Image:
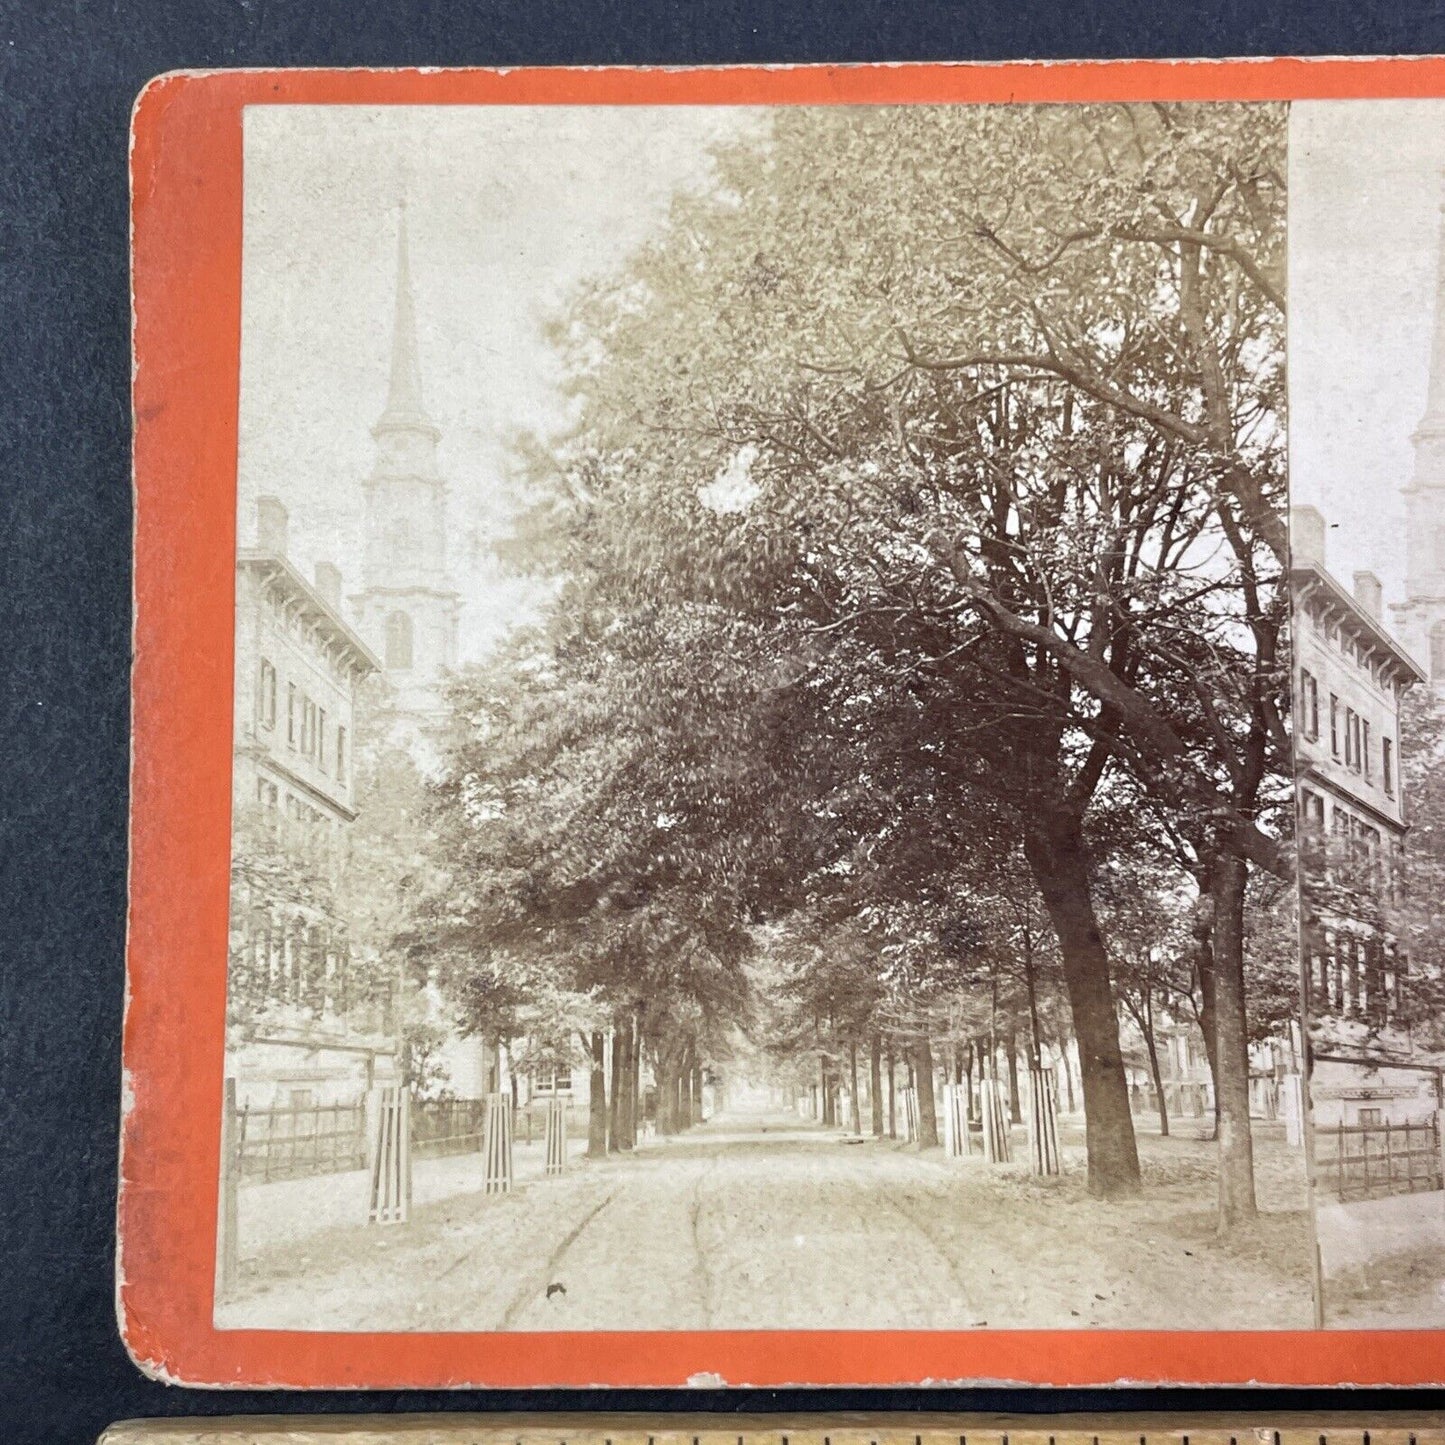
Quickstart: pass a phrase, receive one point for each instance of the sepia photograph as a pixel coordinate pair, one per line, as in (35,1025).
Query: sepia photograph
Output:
(764,792)
(1367,460)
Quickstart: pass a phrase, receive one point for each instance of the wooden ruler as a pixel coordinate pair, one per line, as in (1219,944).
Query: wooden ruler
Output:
(874,1428)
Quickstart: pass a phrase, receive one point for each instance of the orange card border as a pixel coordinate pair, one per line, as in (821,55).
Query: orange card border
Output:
(186,178)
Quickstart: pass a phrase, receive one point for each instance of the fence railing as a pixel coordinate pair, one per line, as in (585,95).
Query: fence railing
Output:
(291,1141)
(530,1120)
(295,1141)
(447,1126)
(1372,1161)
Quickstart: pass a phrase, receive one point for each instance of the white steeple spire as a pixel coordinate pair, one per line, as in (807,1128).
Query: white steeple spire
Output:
(1420,618)
(404,408)
(1432,424)
(408,606)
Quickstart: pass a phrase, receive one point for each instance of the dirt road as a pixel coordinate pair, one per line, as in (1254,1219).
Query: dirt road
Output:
(758,1223)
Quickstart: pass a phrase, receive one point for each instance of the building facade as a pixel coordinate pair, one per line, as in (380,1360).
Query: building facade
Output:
(1350,677)
(303,1028)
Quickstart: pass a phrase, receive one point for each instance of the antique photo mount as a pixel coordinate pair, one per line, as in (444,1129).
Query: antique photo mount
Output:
(187,176)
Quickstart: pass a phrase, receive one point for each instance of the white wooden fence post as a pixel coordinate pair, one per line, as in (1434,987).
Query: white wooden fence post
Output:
(389,1199)
(556,1135)
(1043,1123)
(498,1178)
(997,1145)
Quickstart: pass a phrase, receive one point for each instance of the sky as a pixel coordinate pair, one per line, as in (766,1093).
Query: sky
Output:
(1366,181)
(508,208)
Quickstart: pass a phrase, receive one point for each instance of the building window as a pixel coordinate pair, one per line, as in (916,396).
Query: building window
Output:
(1387,765)
(340,754)
(321,739)
(1365,757)
(1352,739)
(292,715)
(1334,726)
(552,1081)
(1309,704)
(1368,1116)
(398,641)
(266,694)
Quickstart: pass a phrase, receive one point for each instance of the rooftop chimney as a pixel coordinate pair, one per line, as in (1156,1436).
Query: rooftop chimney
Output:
(271,520)
(1306,536)
(328,583)
(1370,594)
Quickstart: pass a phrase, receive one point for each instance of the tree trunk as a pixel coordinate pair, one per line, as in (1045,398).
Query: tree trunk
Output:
(968,1083)
(597,1105)
(1055,853)
(875,1084)
(1204,955)
(666,1097)
(1036,1060)
(1231,1035)
(892,1095)
(696,1091)
(1015,1103)
(1147,1029)
(856,1119)
(825,1093)
(628,1123)
(614,1133)
(1067,1065)
(927,1108)
(634,1080)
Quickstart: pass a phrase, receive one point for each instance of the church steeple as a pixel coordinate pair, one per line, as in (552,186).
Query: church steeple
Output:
(1433,422)
(1420,618)
(404,408)
(408,607)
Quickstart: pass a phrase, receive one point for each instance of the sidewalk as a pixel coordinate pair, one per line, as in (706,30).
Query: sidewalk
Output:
(284,1211)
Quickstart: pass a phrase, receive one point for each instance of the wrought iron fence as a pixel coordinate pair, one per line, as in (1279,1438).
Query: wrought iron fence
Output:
(291,1141)
(295,1141)
(530,1120)
(1372,1161)
(447,1126)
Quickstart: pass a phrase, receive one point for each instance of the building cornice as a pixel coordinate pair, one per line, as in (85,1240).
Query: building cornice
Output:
(274,570)
(1310,581)
(1309,773)
(266,758)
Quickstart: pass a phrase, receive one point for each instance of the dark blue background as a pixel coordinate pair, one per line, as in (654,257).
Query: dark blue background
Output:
(68,75)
